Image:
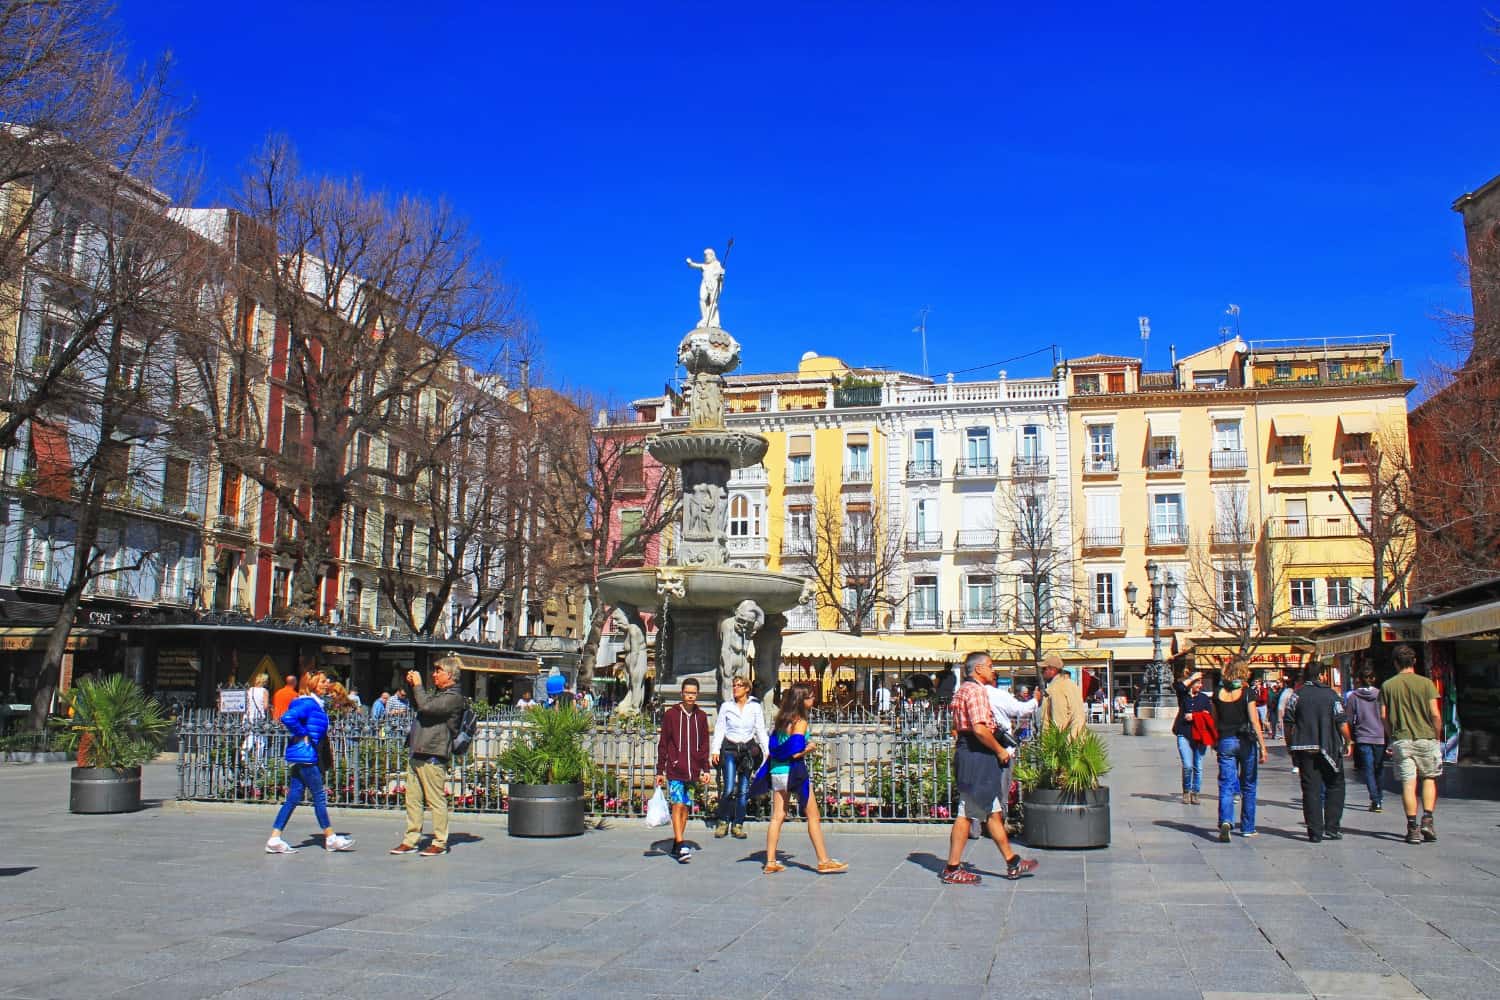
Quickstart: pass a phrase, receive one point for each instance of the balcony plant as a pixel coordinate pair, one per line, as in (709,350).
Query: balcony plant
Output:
(547,768)
(112,727)
(1063,799)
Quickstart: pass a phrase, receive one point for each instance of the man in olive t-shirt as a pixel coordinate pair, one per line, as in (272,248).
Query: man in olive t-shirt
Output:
(1413,725)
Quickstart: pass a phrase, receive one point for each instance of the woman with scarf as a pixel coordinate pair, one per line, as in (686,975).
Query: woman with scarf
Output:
(1241,747)
(785,773)
(1191,703)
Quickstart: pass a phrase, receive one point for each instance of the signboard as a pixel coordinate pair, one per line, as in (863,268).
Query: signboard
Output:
(177,670)
(232,700)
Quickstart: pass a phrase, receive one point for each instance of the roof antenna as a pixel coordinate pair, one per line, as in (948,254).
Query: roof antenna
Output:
(1145,322)
(921,328)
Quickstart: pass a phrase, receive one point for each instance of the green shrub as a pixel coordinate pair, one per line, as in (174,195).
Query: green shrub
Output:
(551,750)
(113,723)
(1061,761)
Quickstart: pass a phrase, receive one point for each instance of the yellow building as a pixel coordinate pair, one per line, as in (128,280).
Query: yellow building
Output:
(1228,474)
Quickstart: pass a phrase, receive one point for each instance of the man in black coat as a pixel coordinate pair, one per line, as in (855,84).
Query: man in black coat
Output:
(1318,737)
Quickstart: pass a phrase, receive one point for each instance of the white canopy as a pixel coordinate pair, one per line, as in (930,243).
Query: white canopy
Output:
(838,646)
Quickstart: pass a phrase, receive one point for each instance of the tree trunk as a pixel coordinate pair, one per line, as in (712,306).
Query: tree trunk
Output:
(49,675)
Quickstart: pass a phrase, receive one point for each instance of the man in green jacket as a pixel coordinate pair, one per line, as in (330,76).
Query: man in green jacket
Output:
(1414,728)
(437,716)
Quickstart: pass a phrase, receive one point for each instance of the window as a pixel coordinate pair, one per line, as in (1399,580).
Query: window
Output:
(174,493)
(632,467)
(407,551)
(1166,519)
(924,601)
(1103,518)
(1086,385)
(926,520)
(281,590)
(924,447)
(630,526)
(1234,592)
(1210,380)
(1296,517)
(1175,613)
(434,547)
(229,494)
(1106,614)
(357,518)
(977,446)
(1357,448)
(1162,453)
(1034,599)
(1232,515)
(859,527)
(1116,381)
(1340,594)
(1031,442)
(1304,600)
(1101,447)
(1283,369)
(291,433)
(388,541)
(857,456)
(1227,435)
(799,523)
(979,598)
(354,599)
(739,517)
(1362,509)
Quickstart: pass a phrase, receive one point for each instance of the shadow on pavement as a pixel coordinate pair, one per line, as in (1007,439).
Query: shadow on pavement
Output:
(9,872)
(935,864)
(661,848)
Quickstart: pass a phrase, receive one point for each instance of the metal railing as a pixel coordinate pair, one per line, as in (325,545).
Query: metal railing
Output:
(924,468)
(1293,454)
(1225,459)
(860,474)
(867,766)
(1099,464)
(1167,534)
(976,468)
(1164,460)
(1031,465)
(978,539)
(1103,538)
(1313,526)
(799,475)
(924,541)
(923,619)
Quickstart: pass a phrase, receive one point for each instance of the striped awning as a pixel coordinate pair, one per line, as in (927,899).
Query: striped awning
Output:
(1466,621)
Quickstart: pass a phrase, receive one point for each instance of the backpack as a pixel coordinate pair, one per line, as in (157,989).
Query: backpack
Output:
(468,728)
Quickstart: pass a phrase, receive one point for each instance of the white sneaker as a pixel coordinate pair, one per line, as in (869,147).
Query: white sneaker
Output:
(278,846)
(338,843)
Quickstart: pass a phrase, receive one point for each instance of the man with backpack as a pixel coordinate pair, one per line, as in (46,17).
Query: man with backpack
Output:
(435,737)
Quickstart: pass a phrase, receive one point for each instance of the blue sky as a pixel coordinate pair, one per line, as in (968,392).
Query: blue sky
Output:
(1036,174)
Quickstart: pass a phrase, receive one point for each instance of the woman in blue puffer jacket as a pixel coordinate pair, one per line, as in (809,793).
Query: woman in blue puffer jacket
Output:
(307,722)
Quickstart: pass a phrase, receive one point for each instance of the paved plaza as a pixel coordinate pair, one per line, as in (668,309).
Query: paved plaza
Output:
(180,902)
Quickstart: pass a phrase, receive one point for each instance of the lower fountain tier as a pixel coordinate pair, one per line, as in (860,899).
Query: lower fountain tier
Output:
(677,448)
(705,587)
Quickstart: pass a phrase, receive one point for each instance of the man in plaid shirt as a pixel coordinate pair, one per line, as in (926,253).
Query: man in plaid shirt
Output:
(978,764)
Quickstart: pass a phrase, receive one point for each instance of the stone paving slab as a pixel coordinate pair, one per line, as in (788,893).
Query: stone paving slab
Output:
(178,901)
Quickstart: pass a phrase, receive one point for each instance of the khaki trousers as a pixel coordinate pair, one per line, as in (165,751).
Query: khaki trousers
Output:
(425,789)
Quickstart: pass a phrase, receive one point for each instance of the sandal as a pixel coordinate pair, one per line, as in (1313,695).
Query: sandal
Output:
(831,866)
(772,867)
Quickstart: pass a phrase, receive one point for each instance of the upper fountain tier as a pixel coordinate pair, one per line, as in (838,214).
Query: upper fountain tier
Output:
(675,448)
(707,352)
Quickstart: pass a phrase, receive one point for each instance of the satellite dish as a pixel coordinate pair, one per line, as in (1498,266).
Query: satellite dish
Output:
(809,355)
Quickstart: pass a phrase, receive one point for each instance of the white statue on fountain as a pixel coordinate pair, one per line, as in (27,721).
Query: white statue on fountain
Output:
(709,288)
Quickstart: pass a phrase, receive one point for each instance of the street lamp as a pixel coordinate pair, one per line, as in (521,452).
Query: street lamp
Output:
(1163,595)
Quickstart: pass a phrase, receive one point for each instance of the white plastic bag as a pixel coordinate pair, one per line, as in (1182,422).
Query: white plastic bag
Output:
(658,813)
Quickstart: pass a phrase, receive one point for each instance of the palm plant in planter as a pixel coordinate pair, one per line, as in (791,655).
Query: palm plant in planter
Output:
(112,729)
(547,767)
(1063,800)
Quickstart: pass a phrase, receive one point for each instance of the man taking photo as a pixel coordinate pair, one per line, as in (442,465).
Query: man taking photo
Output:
(439,711)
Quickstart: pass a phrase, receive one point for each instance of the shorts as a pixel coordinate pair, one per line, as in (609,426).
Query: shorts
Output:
(964,810)
(779,780)
(1418,758)
(682,793)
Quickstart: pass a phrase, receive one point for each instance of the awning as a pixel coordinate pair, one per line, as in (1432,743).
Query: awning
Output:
(1457,624)
(1349,642)
(1292,425)
(54,465)
(799,445)
(500,665)
(1358,423)
(1163,424)
(859,648)
(1215,652)
(28,638)
(857,438)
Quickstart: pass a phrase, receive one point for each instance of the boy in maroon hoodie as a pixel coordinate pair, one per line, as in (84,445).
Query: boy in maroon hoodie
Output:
(682,760)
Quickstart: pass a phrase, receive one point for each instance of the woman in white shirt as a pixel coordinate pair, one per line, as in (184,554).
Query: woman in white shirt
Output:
(257,701)
(738,745)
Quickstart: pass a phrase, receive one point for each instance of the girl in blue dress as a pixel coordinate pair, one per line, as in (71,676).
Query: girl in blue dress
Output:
(785,773)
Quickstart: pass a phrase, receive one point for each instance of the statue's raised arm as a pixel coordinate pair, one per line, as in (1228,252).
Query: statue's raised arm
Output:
(709,288)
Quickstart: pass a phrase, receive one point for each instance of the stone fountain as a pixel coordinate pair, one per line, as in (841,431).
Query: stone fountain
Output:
(713,620)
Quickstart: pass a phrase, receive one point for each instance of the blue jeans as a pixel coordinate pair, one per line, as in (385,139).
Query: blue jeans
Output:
(1192,764)
(1239,764)
(734,790)
(1372,761)
(304,776)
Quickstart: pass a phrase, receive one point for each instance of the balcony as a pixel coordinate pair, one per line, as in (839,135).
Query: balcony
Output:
(1031,466)
(1228,460)
(1338,612)
(1100,465)
(1306,613)
(923,468)
(1240,537)
(924,541)
(750,475)
(747,546)
(1292,456)
(799,475)
(924,620)
(978,540)
(1104,538)
(802,618)
(975,620)
(1104,621)
(232,524)
(857,475)
(797,548)
(1031,541)
(1357,458)
(1318,526)
(864,395)
(1166,535)
(41,578)
(976,468)
(1163,461)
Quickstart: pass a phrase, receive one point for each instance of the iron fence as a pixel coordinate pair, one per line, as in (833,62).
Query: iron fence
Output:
(866,766)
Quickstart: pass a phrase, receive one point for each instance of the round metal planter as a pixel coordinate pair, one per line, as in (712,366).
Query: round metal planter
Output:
(1065,819)
(546,810)
(105,790)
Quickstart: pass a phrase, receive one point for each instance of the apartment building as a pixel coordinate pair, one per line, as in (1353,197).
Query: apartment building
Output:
(1228,474)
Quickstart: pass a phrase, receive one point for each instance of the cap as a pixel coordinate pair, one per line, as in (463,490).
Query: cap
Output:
(1051,660)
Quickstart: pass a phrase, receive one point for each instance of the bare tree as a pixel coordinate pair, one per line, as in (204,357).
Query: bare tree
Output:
(854,555)
(1237,577)
(597,507)
(1379,508)
(377,300)
(78,130)
(1036,552)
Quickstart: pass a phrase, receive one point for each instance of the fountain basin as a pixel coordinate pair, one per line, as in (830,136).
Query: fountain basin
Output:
(704,587)
(677,448)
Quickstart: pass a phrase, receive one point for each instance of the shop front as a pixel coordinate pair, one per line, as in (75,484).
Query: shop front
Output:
(1462,632)
(1352,645)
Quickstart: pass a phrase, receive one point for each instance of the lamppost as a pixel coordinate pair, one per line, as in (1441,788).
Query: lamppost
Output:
(1157,694)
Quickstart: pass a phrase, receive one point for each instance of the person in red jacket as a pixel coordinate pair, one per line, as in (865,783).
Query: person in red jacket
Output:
(682,760)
